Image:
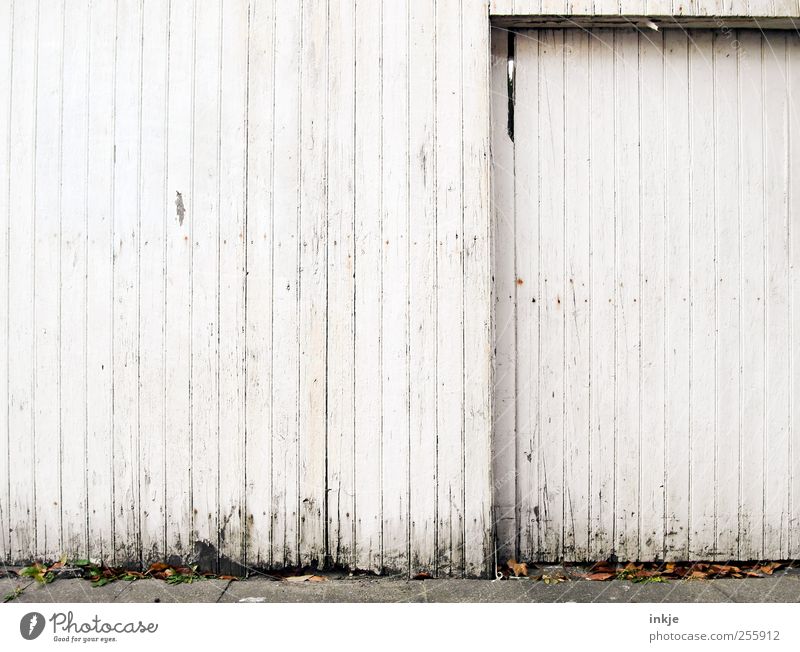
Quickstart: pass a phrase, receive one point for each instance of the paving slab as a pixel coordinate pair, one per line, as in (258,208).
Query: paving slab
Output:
(66,591)
(150,590)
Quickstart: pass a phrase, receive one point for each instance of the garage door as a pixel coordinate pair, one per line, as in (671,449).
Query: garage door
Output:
(647,305)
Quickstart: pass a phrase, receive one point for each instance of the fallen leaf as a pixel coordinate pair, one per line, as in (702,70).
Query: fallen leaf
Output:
(228,577)
(769,568)
(157,568)
(422,576)
(599,577)
(299,578)
(518,568)
(317,578)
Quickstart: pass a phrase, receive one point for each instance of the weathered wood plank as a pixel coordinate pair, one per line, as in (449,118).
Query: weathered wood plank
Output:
(312,275)
(233,148)
(341,498)
(367,263)
(73,290)
(178,243)
(422,137)
(395,222)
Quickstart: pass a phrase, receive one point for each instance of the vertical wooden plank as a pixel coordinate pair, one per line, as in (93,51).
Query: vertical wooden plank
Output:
(793,90)
(702,254)
(394,279)
(422,289)
(74,264)
(450,297)
(726,167)
(559,7)
(341,287)
(628,314)
(677,184)
(504,427)
(368,374)
(776,223)
(125,252)
(501,7)
(553,293)
(6,38)
(46,281)
(205,237)
(527,296)
(232,279)
(285,352)
(156,203)
(178,300)
(601,133)
(752,343)
(312,278)
(652,283)
(479,547)
(99,280)
(577,347)
(22,188)
(259,330)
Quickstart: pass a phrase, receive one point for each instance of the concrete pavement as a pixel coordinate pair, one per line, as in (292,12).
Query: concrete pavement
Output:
(782,587)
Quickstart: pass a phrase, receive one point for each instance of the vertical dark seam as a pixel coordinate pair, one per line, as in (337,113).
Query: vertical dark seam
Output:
(536,433)
(741,244)
(564,285)
(641,298)
(589,70)
(665,287)
(616,181)
(690,120)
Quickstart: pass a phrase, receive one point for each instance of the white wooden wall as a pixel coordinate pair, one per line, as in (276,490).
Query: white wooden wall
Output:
(245,247)
(759,8)
(648,283)
(245,281)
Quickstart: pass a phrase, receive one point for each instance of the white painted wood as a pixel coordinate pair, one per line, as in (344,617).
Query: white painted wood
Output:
(341,497)
(46,280)
(778,345)
(367,263)
(677,293)
(759,8)
(793,84)
(157,209)
(285,310)
(232,238)
(728,284)
(21,256)
(422,137)
(753,267)
(180,215)
(449,289)
(703,317)
(627,315)
(477,371)
(259,470)
(6,31)
(126,277)
(577,293)
(73,291)
(601,152)
(99,280)
(394,221)
(687,235)
(312,271)
(653,201)
(504,438)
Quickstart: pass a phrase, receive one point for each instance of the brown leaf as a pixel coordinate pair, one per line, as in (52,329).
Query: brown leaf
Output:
(769,568)
(299,578)
(228,577)
(317,578)
(698,575)
(599,577)
(422,576)
(157,568)
(518,568)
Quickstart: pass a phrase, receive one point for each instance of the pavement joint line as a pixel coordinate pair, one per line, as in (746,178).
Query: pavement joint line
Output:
(224,591)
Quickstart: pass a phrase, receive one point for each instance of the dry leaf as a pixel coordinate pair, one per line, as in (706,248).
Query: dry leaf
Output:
(769,568)
(518,568)
(317,578)
(299,578)
(599,577)
(422,576)
(157,568)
